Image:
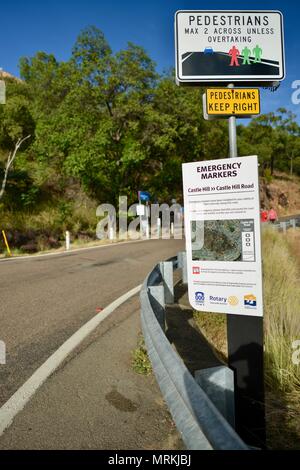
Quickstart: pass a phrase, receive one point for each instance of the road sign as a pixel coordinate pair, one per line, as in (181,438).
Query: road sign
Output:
(232,101)
(229,47)
(144,196)
(222,226)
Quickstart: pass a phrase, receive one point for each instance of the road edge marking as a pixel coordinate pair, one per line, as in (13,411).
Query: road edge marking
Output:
(21,397)
(69,252)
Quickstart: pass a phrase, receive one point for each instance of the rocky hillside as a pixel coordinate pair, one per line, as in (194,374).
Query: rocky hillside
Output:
(282,192)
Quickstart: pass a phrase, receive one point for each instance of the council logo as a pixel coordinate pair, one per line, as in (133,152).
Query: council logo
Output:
(250,301)
(196,270)
(233,300)
(199,297)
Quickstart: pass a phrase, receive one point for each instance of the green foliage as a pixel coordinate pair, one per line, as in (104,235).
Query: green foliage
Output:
(109,124)
(30,197)
(268,175)
(140,360)
(16,120)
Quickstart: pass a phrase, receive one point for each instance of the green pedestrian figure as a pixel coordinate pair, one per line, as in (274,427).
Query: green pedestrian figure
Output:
(257,51)
(246,55)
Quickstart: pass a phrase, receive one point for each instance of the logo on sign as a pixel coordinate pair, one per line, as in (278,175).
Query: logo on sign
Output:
(233,300)
(199,297)
(218,300)
(196,270)
(250,301)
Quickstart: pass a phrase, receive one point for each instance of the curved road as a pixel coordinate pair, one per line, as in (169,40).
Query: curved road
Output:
(44,300)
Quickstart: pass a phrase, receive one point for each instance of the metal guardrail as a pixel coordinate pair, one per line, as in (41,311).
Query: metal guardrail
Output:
(287,222)
(200,423)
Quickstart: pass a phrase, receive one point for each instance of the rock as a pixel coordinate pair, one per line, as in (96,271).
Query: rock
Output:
(283,200)
(53,242)
(29,247)
(271,193)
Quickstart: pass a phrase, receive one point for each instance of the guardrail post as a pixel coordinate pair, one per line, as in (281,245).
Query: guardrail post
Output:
(218,384)
(68,240)
(184,269)
(179,260)
(293,223)
(182,264)
(166,269)
(283,226)
(157,299)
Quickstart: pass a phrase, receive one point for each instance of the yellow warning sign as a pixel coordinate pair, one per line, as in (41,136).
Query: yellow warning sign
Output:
(232,101)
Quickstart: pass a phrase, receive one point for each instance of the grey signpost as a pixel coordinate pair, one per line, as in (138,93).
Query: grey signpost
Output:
(232,133)
(246,357)
(198,63)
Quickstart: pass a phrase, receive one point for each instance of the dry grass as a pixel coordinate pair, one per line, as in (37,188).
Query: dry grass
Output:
(282,310)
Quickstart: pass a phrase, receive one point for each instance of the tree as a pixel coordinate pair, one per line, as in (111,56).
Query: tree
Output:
(16,125)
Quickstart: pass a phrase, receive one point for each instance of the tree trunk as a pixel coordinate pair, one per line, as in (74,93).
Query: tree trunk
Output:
(10,160)
(272,164)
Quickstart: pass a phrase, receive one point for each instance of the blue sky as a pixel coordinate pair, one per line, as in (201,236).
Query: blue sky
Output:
(52,26)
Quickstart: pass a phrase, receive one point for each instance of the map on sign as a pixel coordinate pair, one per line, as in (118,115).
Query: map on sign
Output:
(235,101)
(229,46)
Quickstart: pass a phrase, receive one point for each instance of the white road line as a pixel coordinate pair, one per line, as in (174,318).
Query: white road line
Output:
(65,252)
(21,397)
(252,60)
(187,57)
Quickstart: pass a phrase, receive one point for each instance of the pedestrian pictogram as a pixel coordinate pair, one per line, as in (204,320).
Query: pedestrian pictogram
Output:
(234,53)
(257,51)
(246,55)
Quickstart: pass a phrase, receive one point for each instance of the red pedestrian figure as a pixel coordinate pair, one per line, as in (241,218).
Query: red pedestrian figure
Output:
(264,215)
(234,53)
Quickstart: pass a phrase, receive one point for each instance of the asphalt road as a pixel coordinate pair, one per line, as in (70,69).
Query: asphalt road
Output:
(198,63)
(45,300)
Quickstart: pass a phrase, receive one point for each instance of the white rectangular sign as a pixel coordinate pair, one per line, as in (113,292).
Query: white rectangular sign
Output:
(229,46)
(222,229)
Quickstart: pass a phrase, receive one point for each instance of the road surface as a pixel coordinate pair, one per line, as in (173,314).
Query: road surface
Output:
(198,63)
(45,300)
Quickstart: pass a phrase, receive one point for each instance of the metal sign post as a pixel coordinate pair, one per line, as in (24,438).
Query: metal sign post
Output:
(245,357)
(232,137)
(230,48)
(232,133)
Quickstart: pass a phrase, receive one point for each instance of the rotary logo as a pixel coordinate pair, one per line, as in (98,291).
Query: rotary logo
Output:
(233,300)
